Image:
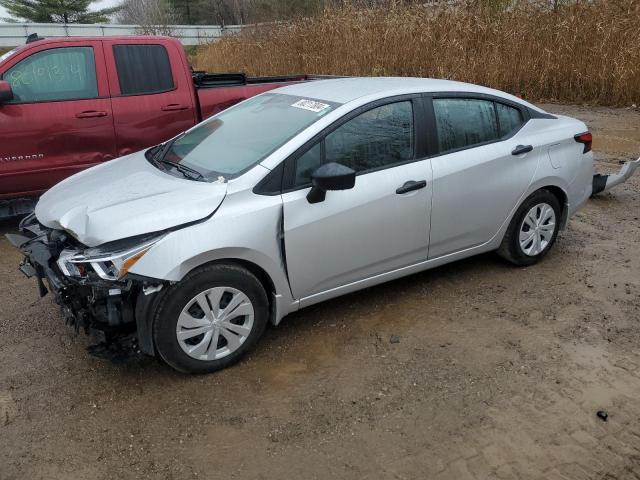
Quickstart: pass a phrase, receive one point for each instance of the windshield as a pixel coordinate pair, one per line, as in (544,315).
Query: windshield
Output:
(242,136)
(8,54)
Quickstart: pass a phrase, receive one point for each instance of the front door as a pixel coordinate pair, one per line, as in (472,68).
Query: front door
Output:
(60,119)
(379,225)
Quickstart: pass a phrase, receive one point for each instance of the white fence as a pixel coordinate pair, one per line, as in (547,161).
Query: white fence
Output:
(13,34)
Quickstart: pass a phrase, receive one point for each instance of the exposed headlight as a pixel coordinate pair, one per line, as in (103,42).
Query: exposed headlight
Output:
(111,261)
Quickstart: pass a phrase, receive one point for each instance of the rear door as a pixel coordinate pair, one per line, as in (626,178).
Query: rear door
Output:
(373,228)
(60,120)
(152,92)
(477,181)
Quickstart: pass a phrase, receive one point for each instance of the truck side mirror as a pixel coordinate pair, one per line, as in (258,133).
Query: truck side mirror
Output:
(6,94)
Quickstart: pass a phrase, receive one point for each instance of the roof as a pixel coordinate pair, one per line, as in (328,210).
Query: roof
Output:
(345,90)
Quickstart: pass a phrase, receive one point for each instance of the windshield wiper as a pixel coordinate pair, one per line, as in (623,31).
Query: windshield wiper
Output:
(187,172)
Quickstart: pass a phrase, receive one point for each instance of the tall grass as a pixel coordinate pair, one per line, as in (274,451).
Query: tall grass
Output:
(586,52)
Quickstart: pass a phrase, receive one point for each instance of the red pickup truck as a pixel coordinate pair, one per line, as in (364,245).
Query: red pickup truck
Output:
(69,103)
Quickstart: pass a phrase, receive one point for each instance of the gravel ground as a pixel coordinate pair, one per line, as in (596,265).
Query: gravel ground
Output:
(493,372)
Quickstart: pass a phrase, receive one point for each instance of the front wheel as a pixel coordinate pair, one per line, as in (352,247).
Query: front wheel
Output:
(533,229)
(210,319)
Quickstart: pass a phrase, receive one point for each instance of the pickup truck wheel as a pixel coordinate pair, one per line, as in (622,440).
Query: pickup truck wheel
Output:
(210,319)
(533,229)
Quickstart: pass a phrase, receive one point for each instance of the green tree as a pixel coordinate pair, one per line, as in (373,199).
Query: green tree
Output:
(56,11)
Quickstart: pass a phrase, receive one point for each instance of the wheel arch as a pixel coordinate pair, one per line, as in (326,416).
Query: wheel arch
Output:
(146,305)
(272,278)
(260,273)
(563,200)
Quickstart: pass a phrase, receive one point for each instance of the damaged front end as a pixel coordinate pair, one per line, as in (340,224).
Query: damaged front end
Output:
(93,286)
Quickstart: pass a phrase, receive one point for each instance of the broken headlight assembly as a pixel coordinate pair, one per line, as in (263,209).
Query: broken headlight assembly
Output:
(110,261)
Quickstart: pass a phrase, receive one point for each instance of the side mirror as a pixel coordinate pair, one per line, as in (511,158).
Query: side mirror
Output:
(330,176)
(6,94)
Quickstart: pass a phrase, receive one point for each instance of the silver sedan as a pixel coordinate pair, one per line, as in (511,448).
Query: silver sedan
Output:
(187,250)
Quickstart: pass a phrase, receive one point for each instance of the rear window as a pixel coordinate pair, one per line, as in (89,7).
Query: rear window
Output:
(143,69)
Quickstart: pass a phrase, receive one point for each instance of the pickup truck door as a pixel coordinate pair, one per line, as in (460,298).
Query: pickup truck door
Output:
(60,120)
(152,92)
(380,225)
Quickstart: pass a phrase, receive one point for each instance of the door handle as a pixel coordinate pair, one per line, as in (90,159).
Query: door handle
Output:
(174,107)
(91,114)
(520,149)
(410,186)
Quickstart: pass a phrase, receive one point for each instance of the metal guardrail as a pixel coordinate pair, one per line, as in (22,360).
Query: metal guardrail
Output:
(13,34)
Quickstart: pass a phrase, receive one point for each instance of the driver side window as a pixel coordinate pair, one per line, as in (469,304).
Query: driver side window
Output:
(378,138)
(67,73)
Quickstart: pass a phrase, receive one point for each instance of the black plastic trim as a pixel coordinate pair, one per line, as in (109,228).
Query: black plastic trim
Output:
(272,183)
(541,116)
(599,183)
(145,309)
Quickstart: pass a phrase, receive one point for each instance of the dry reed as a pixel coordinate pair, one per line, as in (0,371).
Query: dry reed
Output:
(587,52)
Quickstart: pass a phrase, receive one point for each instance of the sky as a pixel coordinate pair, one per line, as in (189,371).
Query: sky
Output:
(95,5)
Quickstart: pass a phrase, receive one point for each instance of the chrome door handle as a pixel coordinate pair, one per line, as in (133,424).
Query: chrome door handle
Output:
(410,186)
(520,149)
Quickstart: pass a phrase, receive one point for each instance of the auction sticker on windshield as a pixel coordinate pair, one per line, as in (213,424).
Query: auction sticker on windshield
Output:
(311,105)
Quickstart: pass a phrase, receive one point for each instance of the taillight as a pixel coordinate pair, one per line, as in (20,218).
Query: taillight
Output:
(586,139)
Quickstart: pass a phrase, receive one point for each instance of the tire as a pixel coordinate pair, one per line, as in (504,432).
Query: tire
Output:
(515,247)
(191,316)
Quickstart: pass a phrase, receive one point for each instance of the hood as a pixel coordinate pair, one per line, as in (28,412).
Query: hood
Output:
(123,198)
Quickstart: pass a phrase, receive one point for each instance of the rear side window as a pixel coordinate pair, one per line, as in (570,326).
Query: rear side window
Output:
(67,73)
(464,122)
(143,69)
(509,119)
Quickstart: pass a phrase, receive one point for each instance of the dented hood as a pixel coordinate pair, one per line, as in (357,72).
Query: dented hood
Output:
(124,198)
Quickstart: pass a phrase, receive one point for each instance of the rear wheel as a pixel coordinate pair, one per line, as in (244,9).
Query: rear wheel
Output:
(533,229)
(211,319)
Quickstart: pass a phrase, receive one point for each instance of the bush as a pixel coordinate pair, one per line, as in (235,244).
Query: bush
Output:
(585,52)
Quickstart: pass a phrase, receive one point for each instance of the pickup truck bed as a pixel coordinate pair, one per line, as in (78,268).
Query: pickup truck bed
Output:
(70,103)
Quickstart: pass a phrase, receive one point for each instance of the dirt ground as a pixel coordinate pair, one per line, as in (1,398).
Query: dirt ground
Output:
(494,372)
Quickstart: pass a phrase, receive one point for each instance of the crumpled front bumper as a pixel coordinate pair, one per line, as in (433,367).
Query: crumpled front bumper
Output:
(103,309)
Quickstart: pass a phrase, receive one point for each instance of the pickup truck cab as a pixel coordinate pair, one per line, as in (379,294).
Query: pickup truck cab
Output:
(67,104)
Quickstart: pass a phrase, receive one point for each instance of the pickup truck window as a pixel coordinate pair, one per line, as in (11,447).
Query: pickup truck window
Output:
(242,136)
(67,73)
(143,69)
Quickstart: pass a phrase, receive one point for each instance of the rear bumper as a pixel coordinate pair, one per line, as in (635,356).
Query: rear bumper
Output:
(106,310)
(602,183)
